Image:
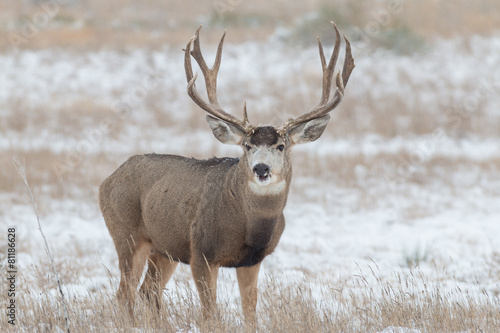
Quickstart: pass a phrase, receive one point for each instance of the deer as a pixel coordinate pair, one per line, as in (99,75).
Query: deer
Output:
(220,212)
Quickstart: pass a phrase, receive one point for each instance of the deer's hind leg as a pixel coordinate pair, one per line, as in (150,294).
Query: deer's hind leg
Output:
(160,270)
(205,278)
(132,255)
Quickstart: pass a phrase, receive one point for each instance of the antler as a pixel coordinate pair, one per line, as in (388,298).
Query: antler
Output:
(324,105)
(210,75)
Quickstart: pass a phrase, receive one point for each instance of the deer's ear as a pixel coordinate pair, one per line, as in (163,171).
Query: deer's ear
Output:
(225,132)
(310,131)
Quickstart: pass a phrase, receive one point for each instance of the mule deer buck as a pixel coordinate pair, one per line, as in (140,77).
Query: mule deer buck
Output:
(220,212)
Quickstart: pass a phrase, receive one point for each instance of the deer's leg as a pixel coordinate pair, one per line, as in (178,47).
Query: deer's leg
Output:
(131,259)
(160,270)
(205,278)
(247,281)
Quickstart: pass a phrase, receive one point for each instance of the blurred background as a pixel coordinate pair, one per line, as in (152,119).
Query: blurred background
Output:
(405,175)
(113,24)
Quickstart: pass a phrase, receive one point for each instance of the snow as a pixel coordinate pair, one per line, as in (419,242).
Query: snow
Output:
(330,234)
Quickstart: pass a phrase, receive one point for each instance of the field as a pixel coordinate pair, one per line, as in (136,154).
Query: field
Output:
(393,215)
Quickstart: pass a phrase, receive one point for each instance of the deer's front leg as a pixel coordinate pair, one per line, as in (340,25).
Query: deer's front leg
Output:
(205,277)
(247,281)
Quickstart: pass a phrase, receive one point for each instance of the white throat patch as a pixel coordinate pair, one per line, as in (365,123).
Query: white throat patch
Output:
(267,189)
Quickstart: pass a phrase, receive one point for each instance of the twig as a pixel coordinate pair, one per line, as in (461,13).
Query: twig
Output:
(21,169)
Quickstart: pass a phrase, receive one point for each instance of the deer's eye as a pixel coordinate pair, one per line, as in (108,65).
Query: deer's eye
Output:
(280,147)
(248,147)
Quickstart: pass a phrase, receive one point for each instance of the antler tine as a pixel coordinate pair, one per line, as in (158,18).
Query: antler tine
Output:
(341,80)
(348,62)
(245,115)
(210,75)
(328,70)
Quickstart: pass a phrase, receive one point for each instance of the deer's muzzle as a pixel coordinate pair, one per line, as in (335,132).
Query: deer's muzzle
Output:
(262,171)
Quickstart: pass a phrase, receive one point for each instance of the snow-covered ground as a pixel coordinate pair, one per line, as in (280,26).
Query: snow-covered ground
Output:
(448,224)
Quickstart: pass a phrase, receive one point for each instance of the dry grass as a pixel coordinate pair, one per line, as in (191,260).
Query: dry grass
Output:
(448,19)
(80,182)
(82,174)
(93,24)
(303,306)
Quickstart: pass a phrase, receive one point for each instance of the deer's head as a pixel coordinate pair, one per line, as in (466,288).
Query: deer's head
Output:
(267,148)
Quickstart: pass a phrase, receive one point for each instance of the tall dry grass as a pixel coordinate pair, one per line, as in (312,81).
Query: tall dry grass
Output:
(363,304)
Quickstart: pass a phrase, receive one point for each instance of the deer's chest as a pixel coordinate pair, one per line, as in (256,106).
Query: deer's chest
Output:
(249,256)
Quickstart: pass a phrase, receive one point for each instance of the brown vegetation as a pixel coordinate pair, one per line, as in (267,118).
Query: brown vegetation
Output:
(114,24)
(306,305)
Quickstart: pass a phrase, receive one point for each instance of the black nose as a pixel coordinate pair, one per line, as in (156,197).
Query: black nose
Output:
(261,169)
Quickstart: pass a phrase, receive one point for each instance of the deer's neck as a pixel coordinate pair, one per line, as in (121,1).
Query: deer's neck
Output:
(261,207)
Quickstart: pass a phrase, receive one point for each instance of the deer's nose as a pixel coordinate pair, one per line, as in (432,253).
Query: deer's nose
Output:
(261,170)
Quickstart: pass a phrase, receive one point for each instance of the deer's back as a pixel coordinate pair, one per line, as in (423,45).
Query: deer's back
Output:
(159,196)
